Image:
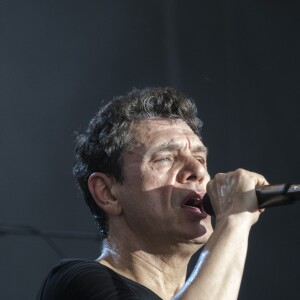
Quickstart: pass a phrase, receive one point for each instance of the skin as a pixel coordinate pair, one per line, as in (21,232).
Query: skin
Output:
(152,235)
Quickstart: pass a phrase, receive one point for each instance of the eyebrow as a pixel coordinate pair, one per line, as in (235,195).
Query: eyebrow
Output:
(171,146)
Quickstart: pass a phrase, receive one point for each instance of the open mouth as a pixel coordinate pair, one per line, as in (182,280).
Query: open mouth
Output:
(193,202)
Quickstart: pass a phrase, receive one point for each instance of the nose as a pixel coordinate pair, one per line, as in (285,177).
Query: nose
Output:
(192,170)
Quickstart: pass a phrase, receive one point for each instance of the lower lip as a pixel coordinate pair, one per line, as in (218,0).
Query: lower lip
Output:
(195,211)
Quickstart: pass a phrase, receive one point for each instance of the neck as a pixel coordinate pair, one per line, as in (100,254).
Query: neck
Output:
(162,271)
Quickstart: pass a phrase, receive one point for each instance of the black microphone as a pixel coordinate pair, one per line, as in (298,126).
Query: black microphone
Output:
(267,196)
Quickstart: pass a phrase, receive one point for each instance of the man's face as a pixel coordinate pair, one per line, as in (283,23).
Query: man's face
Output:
(165,177)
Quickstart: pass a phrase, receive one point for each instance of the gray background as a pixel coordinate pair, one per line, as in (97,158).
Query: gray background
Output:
(59,59)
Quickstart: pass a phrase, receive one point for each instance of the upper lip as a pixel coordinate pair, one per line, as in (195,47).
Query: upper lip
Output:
(195,195)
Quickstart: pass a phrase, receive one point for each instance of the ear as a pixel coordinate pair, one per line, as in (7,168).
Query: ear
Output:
(100,186)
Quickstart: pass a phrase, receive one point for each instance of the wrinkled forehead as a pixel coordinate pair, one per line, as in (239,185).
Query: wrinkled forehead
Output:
(159,130)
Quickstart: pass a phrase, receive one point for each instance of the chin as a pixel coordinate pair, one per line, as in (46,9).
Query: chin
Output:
(199,235)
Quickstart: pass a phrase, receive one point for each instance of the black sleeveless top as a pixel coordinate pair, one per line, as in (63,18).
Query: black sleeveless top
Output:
(89,280)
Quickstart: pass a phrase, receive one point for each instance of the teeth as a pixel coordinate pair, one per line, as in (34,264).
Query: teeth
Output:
(192,202)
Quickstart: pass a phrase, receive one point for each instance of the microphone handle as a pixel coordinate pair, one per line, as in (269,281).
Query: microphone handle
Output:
(267,196)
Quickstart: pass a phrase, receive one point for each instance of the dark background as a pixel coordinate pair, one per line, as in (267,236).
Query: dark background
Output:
(59,59)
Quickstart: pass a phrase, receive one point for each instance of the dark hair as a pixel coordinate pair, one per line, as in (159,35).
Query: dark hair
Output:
(100,148)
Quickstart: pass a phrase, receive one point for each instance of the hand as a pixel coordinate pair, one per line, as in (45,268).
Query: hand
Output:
(233,194)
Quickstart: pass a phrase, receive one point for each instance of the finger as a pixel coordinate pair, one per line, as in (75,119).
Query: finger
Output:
(259,179)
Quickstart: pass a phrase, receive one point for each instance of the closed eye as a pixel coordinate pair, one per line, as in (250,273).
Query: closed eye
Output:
(164,160)
(201,159)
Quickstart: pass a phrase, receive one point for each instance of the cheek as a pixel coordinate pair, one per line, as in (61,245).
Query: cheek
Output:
(155,178)
(158,189)
(150,182)
(147,179)
(207,179)
(145,188)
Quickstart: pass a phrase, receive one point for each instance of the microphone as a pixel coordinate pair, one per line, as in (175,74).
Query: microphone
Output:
(267,196)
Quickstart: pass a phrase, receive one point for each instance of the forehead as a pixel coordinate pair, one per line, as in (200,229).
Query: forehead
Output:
(151,132)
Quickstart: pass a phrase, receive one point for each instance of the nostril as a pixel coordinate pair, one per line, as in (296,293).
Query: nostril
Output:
(192,178)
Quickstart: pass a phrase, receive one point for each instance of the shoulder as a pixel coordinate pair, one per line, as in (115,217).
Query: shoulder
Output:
(73,268)
(76,279)
(84,279)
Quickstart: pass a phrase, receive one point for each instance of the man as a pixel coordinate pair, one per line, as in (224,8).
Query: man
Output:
(142,167)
